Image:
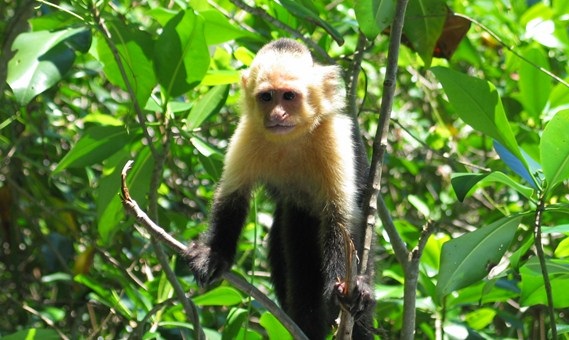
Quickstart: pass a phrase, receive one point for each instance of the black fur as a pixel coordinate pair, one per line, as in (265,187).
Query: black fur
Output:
(213,256)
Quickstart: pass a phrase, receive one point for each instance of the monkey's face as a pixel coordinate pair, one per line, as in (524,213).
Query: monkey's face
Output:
(279,102)
(281,110)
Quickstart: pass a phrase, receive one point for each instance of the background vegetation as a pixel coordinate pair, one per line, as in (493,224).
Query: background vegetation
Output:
(477,153)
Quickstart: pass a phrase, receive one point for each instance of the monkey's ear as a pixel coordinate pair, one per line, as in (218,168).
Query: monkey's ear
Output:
(332,80)
(244,78)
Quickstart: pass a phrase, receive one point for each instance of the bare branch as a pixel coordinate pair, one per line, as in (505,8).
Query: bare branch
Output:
(158,232)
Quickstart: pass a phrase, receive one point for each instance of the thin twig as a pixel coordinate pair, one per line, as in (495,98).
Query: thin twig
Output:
(142,218)
(541,256)
(102,27)
(261,13)
(511,49)
(48,321)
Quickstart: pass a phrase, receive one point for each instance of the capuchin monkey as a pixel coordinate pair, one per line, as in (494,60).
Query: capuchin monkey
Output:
(294,139)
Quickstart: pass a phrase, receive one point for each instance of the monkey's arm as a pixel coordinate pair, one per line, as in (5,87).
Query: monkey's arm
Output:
(214,255)
(360,301)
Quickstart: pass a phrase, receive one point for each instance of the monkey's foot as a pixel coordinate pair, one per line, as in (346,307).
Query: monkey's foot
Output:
(206,264)
(359,300)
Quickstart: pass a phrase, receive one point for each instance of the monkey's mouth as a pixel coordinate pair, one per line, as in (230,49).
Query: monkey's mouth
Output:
(279,129)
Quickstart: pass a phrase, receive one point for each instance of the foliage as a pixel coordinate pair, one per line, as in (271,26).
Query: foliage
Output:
(478,145)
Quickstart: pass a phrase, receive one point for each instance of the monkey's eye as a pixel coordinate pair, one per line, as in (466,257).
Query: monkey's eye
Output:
(265,96)
(289,95)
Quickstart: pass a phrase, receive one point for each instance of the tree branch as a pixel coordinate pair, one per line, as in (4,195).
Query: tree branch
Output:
(411,279)
(259,12)
(160,234)
(373,195)
(541,256)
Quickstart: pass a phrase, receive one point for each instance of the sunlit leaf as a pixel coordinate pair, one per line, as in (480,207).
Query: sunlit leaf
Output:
(468,258)
(181,56)
(42,58)
(535,85)
(374,16)
(134,49)
(463,183)
(33,334)
(209,104)
(480,318)
(533,288)
(218,29)
(275,329)
(477,102)
(554,150)
(562,249)
(564,228)
(220,296)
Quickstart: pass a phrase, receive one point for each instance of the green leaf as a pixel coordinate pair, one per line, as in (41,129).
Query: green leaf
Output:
(221,77)
(274,328)
(374,16)
(54,21)
(535,85)
(463,183)
(97,144)
(477,102)
(234,323)
(563,228)
(554,150)
(162,15)
(209,157)
(181,56)
(218,29)
(558,99)
(532,285)
(480,318)
(424,22)
(103,294)
(134,50)
(562,249)
(220,296)
(32,334)
(42,58)
(467,259)
(210,104)
(307,12)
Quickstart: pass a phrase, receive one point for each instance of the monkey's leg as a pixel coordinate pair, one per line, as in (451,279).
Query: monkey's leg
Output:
(279,271)
(305,284)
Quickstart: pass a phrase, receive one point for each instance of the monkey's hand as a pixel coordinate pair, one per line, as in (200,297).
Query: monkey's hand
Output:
(359,300)
(206,264)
